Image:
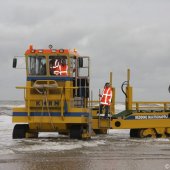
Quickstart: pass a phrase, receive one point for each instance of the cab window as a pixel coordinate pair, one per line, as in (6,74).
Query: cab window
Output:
(36,65)
(58,65)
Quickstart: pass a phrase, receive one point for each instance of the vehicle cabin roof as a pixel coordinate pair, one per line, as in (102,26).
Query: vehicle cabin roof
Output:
(31,50)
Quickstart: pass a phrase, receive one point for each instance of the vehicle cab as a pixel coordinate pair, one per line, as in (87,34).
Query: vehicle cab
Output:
(56,92)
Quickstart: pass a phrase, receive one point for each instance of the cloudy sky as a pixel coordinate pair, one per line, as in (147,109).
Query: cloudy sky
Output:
(116,34)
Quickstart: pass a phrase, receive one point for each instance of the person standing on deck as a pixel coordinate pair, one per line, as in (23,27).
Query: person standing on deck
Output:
(105,100)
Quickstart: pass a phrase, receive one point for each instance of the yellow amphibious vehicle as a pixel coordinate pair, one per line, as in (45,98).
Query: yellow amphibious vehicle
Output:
(56,102)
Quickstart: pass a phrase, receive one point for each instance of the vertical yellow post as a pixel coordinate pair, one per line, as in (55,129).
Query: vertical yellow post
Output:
(28,97)
(112,107)
(165,106)
(128,92)
(62,103)
(111,78)
(137,106)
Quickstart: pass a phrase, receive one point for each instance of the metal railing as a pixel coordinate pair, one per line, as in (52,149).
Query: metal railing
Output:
(140,105)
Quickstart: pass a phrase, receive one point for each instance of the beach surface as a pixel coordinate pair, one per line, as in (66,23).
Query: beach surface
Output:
(114,151)
(109,152)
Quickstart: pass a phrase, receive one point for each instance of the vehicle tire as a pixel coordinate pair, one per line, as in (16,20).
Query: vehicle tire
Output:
(76,132)
(19,131)
(148,132)
(134,133)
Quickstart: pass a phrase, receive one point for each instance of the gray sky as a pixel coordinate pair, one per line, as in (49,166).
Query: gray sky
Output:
(116,34)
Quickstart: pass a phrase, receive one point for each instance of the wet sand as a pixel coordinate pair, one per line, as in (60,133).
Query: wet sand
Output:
(115,151)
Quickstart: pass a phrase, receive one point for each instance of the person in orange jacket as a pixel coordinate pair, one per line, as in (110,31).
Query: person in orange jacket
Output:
(63,68)
(105,99)
(56,67)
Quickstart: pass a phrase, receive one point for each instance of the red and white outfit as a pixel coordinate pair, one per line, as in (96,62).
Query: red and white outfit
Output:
(106,96)
(56,68)
(63,70)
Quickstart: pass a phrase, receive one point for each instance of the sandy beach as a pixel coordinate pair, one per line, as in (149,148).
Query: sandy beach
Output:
(115,151)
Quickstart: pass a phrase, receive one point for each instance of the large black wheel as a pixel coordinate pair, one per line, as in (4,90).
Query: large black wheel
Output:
(76,132)
(148,132)
(134,133)
(19,131)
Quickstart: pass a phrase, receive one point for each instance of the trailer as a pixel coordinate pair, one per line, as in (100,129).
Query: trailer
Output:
(144,119)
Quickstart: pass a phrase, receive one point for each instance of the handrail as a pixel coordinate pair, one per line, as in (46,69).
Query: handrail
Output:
(26,87)
(150,105)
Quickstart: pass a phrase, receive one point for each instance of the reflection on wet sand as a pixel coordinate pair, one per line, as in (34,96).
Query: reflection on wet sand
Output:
(115,151)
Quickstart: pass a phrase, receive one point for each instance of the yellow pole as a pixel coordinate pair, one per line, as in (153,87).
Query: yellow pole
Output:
(62,103)
(111,78)
(128,92)
(112,107)
(128,76)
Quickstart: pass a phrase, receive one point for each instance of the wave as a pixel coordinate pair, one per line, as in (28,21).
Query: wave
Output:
(9,107)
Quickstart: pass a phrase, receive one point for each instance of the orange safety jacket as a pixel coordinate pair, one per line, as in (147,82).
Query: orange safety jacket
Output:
(63,70)
(56,68)
(106,96)
(56,71)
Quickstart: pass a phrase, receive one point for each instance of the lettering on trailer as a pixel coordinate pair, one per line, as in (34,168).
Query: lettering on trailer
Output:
(146,117)
(49,104)
(151,117)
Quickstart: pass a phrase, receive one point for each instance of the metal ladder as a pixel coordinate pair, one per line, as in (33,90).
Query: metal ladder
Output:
(102,120)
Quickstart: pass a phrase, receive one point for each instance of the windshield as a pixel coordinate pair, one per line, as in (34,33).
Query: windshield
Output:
(36,65)
(58,65)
